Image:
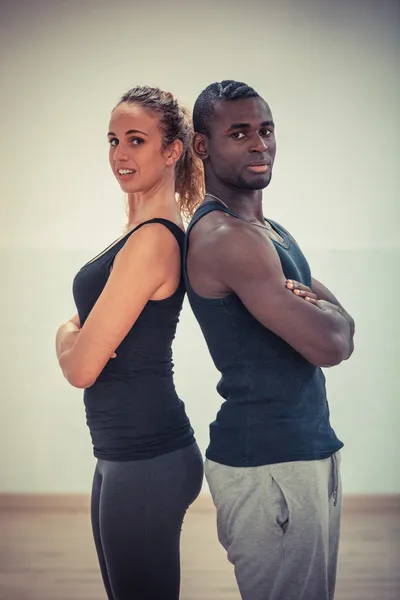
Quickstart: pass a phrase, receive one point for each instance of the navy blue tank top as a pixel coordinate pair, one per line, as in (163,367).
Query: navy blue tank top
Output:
(275,407)
(132,410)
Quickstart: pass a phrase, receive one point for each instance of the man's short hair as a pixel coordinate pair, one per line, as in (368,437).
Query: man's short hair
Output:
(204,106)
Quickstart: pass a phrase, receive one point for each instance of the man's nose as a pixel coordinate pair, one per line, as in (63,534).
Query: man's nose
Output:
(258,144)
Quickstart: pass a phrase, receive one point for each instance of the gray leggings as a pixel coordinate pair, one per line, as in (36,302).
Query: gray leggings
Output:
(137,513)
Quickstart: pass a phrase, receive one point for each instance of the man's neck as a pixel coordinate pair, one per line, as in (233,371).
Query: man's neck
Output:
(245,203)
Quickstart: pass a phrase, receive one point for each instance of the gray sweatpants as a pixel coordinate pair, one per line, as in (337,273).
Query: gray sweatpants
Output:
(280,526)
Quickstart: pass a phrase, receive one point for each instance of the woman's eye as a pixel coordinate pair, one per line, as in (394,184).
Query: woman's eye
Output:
(136,141)
(113,142)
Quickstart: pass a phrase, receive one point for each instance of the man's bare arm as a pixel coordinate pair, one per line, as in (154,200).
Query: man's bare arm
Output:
(323,293)
(245,261)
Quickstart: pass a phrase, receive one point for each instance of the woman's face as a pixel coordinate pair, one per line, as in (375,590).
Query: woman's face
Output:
(136,154)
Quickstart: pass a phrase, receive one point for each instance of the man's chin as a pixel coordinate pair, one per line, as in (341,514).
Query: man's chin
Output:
(256,183)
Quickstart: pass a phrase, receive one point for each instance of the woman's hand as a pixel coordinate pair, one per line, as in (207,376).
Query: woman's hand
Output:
(68,340)
(67,336)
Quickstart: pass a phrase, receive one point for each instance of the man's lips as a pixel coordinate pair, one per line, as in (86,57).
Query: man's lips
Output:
(259,163)
(259,166)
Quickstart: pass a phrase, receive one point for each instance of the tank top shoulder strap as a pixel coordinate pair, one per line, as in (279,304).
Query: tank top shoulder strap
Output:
(176,231)
(205,209)
(284,233)
(278,226)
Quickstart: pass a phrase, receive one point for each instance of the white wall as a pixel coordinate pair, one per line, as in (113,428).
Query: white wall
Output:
(330,71)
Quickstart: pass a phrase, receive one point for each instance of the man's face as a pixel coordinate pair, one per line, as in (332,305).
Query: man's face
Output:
(241,146)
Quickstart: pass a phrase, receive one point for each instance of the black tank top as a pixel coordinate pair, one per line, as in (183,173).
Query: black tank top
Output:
(275,408)
(132,410)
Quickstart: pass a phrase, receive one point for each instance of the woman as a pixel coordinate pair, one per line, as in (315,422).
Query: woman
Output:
(118,347)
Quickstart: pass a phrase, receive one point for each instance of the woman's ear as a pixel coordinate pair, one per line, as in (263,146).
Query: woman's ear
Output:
(200,145)
(173,152)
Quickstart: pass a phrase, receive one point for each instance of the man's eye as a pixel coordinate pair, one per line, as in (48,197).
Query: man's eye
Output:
(266,132)
(238,135)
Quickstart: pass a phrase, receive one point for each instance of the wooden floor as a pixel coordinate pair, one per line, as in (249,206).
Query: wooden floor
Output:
(48,554)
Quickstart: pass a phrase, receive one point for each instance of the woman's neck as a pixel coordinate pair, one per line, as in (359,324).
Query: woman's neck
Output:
(158,203)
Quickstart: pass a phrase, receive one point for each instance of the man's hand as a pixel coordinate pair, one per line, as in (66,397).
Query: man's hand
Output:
(301,290)
(326,305)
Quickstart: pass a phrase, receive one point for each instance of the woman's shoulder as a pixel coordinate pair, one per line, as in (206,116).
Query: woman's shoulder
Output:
(152,243)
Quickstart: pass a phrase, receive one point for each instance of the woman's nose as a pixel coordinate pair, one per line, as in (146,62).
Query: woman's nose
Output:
(120,153)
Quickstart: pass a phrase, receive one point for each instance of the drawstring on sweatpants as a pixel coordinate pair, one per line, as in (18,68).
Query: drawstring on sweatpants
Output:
(335,477)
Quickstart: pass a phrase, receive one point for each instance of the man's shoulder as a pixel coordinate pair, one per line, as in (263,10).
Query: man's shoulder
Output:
(217,229)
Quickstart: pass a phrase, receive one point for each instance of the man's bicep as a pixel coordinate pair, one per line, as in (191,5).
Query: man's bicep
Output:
(255,275)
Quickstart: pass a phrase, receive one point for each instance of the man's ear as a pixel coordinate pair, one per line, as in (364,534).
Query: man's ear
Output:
(200,145)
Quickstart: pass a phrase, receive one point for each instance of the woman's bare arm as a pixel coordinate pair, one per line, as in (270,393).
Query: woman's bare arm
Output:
(148,263)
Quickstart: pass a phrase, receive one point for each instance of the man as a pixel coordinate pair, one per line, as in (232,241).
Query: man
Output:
(273,460)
